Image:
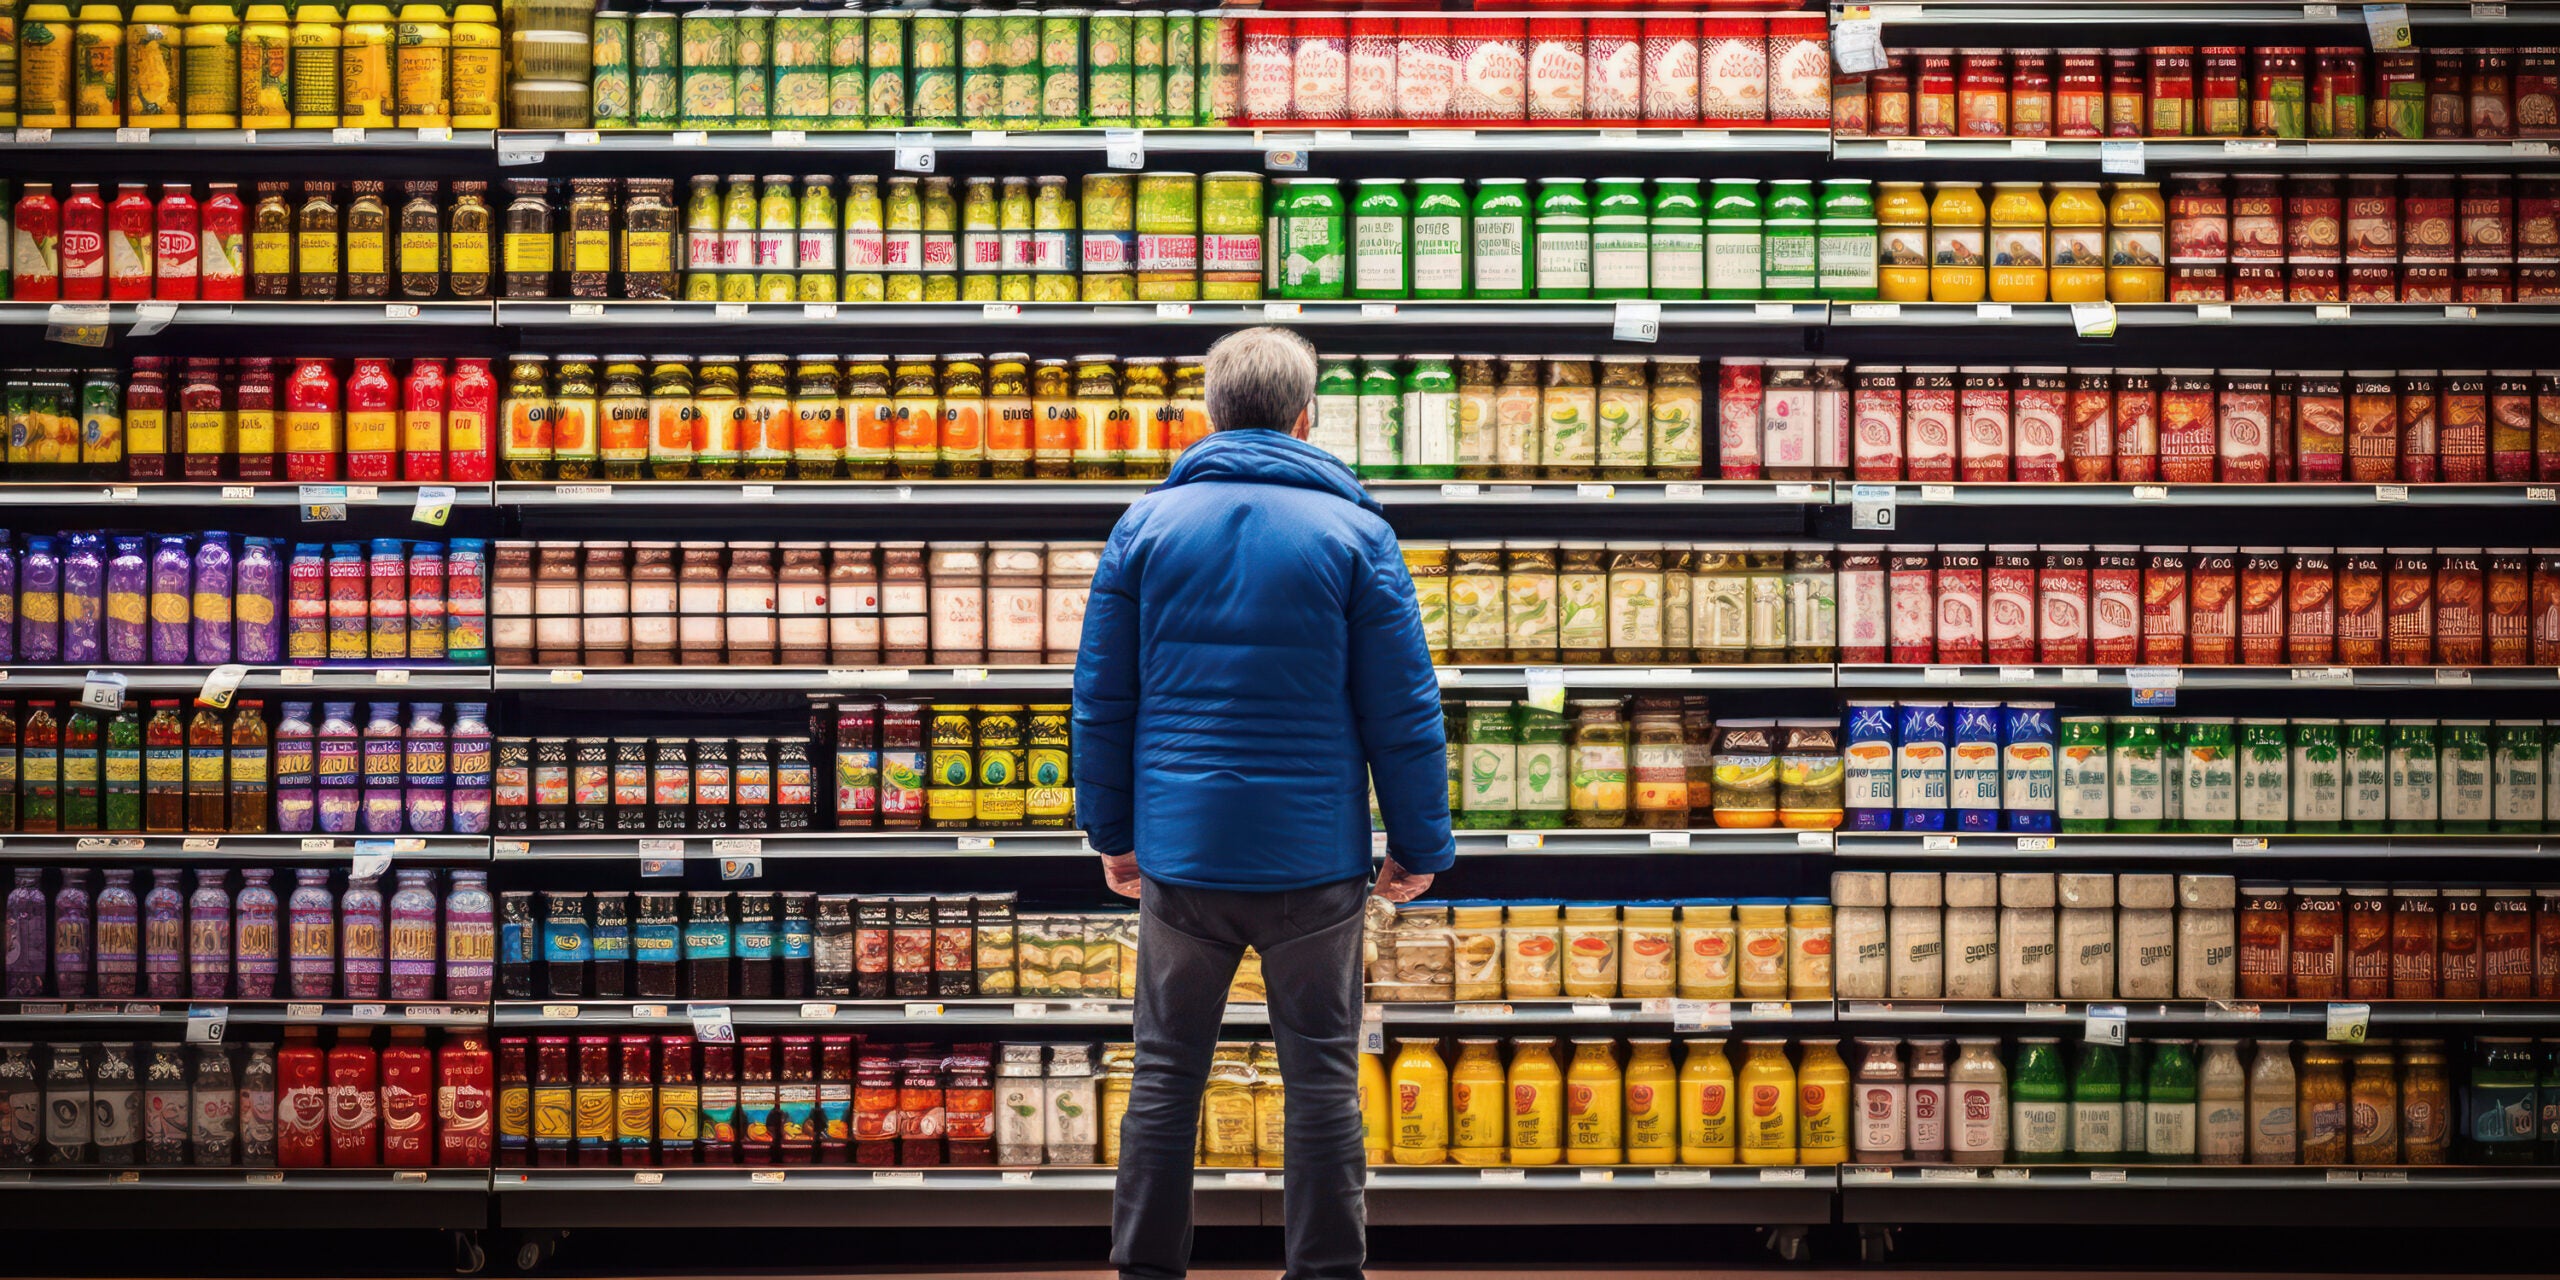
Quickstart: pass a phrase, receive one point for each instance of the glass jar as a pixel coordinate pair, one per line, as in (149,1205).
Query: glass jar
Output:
(2076,243)
(1104,420)
(915,429)
(575,402)
(1956,258)
(316,260)
(1516,410)
(1530,601)
(1476,951)
(716,401)
(526,444)
(1478,415)
(1532,950)
(421,241)
(1760,952)
(530,251)
(961,447)
(1709,944)
(1582,602)
(1678,419)
(467,230)
(1648,963)
(1427,564)
(2018,261)
(1477,602)
(1660,766)
(1591,957)
(1635,603)
(1568,406)
(1599,765)
(1623,410)
(868,415)
(766,420)
(2137,244)
(1543,793)
(817,418)
(649,225)
(1746,771)
(624,408)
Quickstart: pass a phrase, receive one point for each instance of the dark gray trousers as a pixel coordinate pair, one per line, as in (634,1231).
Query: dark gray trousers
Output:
(1189,943)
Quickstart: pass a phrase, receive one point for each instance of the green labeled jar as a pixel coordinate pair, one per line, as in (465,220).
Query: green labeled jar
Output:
(1733,239)
(1436,257)
(2080,775)
(1492,768)
(2417,777)
(1336,428)
(1380,228)
(2316,758)
(2265,777)
(1564,238)
(1381,419)
(1620,250)
(1676,237)
(1542,793)
(1430,420)
(1307,240)
(2367,770)
(2136,775)
(2462,778)
(1787,252)
(1845,241)
(1498,232)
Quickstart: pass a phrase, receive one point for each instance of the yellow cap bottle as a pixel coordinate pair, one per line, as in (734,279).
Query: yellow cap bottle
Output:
(154,44)
(1595,1102)
(317,40)
(45,38)
(1479,1126)
(1706,1105)
(97,73)
(1375,1125)
(1652,1101)
(1420,1085)
(422,68)
(476,77)
(366,92)
(266,68)
(1767,1084)
(1822,1104)
(1537,1102)
(211,93)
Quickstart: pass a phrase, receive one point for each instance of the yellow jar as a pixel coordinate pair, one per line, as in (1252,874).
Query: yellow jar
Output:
(266,68)
(1822,1104)
(2137,244)
(2017,242)
(1479,1111)
(154,78)
(1652,1103)
(1119,1072)
(477,77)
(1808,950)
(365,76)
(211,81)
(2076,243)
(318,39)
(1767,1085)
(1707,942)
(1376,1125)
(422,72)
(1532,951)
(1419,1085)
(1595,1104)
(97,72)
(1591,950)
(1955,243)
(1537,1102)
(1902,242)
(1648,951)
(1270,1108)
(1226,1109)
(1476,961)
(1706,1104)
(1760,970)
(46,62)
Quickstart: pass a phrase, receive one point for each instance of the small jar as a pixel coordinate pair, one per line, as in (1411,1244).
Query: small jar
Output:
(1860,951)
(1599,765)
(1476,942)
(1760,958)
(1648,967)
(1591,945)
(649,225)
(529,248)
(1709,943)
(1532,951)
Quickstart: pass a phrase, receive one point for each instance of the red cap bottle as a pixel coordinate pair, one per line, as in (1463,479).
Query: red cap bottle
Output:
(423,406)
(515,1102)
(131,237)
(223,244)
(464,1117)
(355,1122)
(471,404)
(408,1100)
(36,273)
(311,421)
(179,228)
(84,244)
(373,421)
(302,1103)
(679,1101)
(552,1102)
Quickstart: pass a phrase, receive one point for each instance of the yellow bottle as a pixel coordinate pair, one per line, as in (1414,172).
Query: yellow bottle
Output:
(2077,244)
(1822,1104)
(266,68)
(1767,1085)
(1226,1109)
(1706,1105)
(211,93)
(1652,1103)
(1479,1117)
(1595,1102)
(422,68)
(2018,258)
(1375,1125)
(154,45)
(97,75)
(45,60)
(2137,244)
(1270,1108)
(476,77)
(317,40)
(1421,1085)
(1955,243)
(1537,1102)
(365,76)
(1902,242)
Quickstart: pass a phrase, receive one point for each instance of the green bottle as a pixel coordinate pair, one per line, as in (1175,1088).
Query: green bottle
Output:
(123,772)
(2137,1062)
(1381,230)
(2136,774)
(1492,768)
(2265,776)
(1307,238)
(1381,419)
(1621,251)
(2169,1111)
(1430,420)
(2367,770)
(1845,242)
(1336,428)
(2097,1101)
(1437,252)
(2038,1131)
(1498,260)
(1789,258)
(2317,762)
(1564,238)
(1676,234)
(1733,239)
(1543,792)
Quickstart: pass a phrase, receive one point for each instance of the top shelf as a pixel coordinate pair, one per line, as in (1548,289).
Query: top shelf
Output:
(2218,13)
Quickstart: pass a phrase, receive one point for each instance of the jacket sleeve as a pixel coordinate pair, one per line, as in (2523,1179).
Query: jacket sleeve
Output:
(1397,701)
(1106,701)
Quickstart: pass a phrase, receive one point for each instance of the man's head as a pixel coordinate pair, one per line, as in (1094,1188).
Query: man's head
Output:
(1262,380)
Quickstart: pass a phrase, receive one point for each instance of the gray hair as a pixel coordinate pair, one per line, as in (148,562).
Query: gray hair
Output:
(1260,378)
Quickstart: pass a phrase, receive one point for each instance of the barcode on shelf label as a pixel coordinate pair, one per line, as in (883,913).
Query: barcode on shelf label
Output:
(2035,844)
(818,1013)
(924,1011)
(1782,1175)
(2391,493)
(1524,840)
(977,844)
(1668,840)
(582,492)
(2325,675)
(1502,1175)
(2542,493)
(1813,840)
(1599,1175)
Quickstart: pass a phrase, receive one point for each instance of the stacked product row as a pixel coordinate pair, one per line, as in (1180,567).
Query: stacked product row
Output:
(911,764)
(1985,766)
(129,598)
(351,1105)
(1711,949)
(1652,761)
(138,771)
(307,943)
(2399,941)
(589,785)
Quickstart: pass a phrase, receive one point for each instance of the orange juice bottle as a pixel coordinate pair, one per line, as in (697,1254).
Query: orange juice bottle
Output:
(1902,242)
(1768,1088)
(1653,1129)
(1374,1123)
(1479,1133)
(2076,243)
(2017,248)
(2137,244)
(1595,1101)
(1537,1102)
(1706,1105)
(1422,1103)
(1822,1104)
(1955,243)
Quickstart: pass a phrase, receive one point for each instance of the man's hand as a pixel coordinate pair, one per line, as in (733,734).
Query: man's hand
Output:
(1395,884)
(1120,871)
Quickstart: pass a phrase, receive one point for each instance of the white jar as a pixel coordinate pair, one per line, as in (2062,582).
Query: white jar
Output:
(2085,936)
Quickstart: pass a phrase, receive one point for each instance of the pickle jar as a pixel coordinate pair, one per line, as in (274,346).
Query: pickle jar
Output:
(1635,603)
(1054,421)
(1145,393)
(467,228)
(526,446)
(1658,757)
(1598,798)
(1529,601)
(575,398)
(715,417)
(867,416)
(1582,602)
(421,241)
(623,414)
(915,401)
(962,449)
(671,417)
(1009,418)
(529,248)
(1477,628)
(1098,447)
(767,420)
(817,413)
(647,260)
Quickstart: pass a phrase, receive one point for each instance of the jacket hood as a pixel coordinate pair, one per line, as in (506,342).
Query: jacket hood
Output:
(1269,457)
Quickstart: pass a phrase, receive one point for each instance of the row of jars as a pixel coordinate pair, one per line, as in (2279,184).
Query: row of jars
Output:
(1625,602)
(1704,949)
(2079,245)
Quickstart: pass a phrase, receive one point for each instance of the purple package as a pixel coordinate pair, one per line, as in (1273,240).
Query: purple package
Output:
(40,603)
(71,934)
(129,603)
(383,765)
(422,768)
(119,930)
(209,936)
(468,758)
(470,937)
(253,935)
(360,938)
(164,936)
(24,924)
(306,605)
(311,947)
(338,767)
(173,578)
(257,590)
(8,598)
(213,598)
(413,936)
(426,601)
(293,771)
(84,598)
(349,615)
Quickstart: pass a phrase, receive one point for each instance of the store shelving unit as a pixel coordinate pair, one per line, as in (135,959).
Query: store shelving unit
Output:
(227,849)
(1906,679)
(1591,318)
(2351,849)
(332,315)
(92,1013)
(2240,1195)
(1212,142)
(226,1199)
(386,680)
(1028,1013)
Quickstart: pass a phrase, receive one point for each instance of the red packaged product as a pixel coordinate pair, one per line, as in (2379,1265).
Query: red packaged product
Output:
(2062,606)
(2253,281)
(2462,427)
(408,1100)
(35,275)
(312,430)
(84,244)
(422,414)
(2506,945)
(466,1116)
(355,1125)
(1876,408)
(2009,606)
(1614,63)
(1933,95)
(302,1101)
(2280,427)
(2544,610)
(2262,598)
(2485,218)
(372,427)
(1733,54)
(222,244)
(1983,449)
(2090,442)
(2170,92)
(471,405)
(2428,230)
(2200,282)
(1739,387)
(2164,606)
(2373,426)
(1268,74)
(2031,93)
(1799,71)
(1959,606)
(1558,77)
(2315,282)
(177,230)
(2372,212)
(2038,412)
(1929,407)
(1866,605)
(2320,427)
(2486,284)
(2361,584)
(2128,97)
(1671,70)
(1425,76)
(2372,282)
(2115,606)
(1492,58)
(2312,217)
(1912,585)
(2199,219)
(2213,606)
(2510,425)
(2137,415)
(2493,93)
(2276,73)
(2461,589)
(2546,426)
(2506,595)
(2408,610)
(2080,95)
(2426,283)
(2243,435)
(2448,106)
(2311,607)
(1982,93)
(132,243)
(1369,69)
(1320,69)
(2187,427)
(2418,445)
(1890,113)
(2257,217)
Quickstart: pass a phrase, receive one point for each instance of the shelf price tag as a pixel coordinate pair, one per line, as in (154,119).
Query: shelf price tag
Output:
(742,868)
(373,858)
(2094,319)
(915,153)
(80,324)
(1524,840)
(662,868)
(1692,1016)
(206,1023)
(1667,840)
(219,684)
(434,505)
(1871,507)
(2120,156)
(1124,148)
(152,317)
(2104,1025)
(1546,688)
(711,1023)
(103,690)
(2153,686)
(1285,160)
(1857,44)
(1373,1030)
(2387,25)
(1502,1175)
(2391,493)
(1636,322)
(2348,1023)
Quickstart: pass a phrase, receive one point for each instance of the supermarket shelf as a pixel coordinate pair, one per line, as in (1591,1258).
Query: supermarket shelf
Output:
(2205,678)
(976,494)
(2057,315)
(1595,317)
(2426,13)
(309,314)
(2228,1017)
(2161,151)
(1706,841)
(1061,679)
(272,493)
(1913,845)
(228,849)
(223,1199)
(1024,1013)
(258,1013)
(1409,493)
(389,680)
(1175,141)
(2230,1195)
(368,139)
(1983,494)
(1758,676)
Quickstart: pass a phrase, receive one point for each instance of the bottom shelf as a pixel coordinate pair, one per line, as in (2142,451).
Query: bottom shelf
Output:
(2233,1195)
(213,1199)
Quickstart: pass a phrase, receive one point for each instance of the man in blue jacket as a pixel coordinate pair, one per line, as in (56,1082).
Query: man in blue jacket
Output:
(1253,662)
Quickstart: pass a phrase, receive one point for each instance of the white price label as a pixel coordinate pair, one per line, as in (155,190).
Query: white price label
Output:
(2094,319)
(201,844)
(1782,1175)
(1636,322)
(1813,839)
(2105,1024)
(2120,155)
(924,1011)
(103,690)
(2348,1023)
(2319,12)
(1857,45)
(555,1012)
(915,154)
(2017,675)
(1683,490)
(219,684)
(729,310)
(2332,311)
(1000,311)
(34,137)
(1906,146)
(343,137)
(1774,310)
(1248,1178)
(583,310)
(206,1023)
(2486,12)
(1668,840)
(391,675)
(1941,675)
(742,868)
(2391,493)
(152,317)
(511,156)
(2035,844)
(2248,844)
(771,1176)
(400,311)
(977,844)
(818,311)
(1875,310)
(1937,493)
(2462,313)
(1991,311)
(986,137)
(1461,492)
(1691,1016)
(711,1023)
(373,859)
(1024,1010)
(827,1012)
(757,491)
(648,1177)
(1591,1176)
(2248,146)
(2453,675)
(1173,311)
(1124,148)
(1373,1034)
(1285,159)
(1524,840)
(434,505)
(2387,25)
(130,136)
(568,675)
(2026,146)
(2213,312)
(1595,492)
(1937,844)
(1502,1175)
(1546,688)
(1377,310)
(1282,311)
(81,324)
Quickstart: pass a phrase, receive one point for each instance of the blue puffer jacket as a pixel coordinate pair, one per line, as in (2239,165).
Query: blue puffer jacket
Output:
(1252,656)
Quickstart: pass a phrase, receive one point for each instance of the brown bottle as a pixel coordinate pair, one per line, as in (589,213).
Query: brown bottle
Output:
(271,240)
(700,600)
(555,604)
(250,785)
(164,770)
(604,605)
(207,780)
(316,246)
(800,603)
(903,618)
(368,242)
